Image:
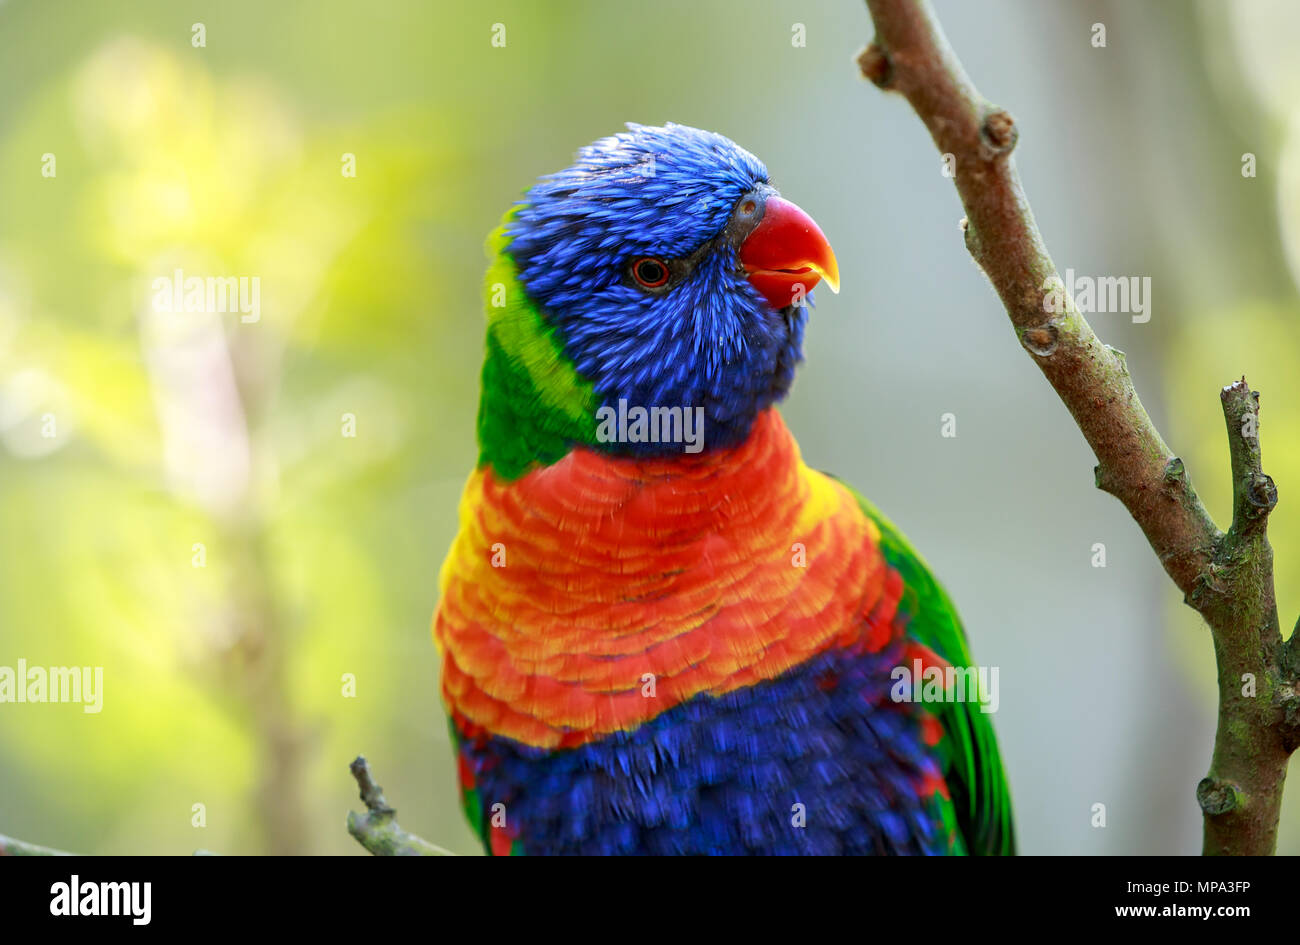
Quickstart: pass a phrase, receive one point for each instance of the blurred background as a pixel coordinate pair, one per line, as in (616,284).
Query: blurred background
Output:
(181,502)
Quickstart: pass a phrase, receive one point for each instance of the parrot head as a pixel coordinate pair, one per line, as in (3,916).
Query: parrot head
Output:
(661,269)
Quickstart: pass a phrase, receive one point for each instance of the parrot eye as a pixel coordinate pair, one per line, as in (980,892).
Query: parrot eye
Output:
(650,273)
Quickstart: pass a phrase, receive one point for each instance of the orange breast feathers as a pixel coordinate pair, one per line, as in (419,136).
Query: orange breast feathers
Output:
(591,595)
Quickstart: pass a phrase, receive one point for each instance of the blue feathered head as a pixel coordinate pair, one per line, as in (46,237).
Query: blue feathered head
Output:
(673,275)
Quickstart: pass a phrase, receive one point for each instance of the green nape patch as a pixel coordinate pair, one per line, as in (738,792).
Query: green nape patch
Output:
(534,406)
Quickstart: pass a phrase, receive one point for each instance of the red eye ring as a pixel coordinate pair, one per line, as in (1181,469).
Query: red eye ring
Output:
(650,272)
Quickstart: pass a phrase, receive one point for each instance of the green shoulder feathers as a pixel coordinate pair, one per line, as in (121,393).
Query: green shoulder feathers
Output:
(534,406)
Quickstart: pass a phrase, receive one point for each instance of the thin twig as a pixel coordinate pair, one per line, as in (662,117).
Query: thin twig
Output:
(377,830)
(10,846)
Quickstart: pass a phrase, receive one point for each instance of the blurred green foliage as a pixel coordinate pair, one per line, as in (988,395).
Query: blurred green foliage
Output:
(198,439)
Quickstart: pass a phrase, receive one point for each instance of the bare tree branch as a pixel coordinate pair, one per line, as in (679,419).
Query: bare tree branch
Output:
(377,830)
(1228,578)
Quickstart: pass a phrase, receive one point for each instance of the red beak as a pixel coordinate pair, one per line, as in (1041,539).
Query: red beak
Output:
(787,254)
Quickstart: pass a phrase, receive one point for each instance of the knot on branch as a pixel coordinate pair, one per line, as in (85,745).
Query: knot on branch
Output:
(1261,494)
(1105,480)
(998,133)
(1218,797)
(875,65)
(1209,586)
(1040,339)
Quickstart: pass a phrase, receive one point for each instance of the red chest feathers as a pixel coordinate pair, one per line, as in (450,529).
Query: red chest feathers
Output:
(591,595)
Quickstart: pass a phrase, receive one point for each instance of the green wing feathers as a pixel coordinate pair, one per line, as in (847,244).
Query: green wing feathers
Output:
(975,778)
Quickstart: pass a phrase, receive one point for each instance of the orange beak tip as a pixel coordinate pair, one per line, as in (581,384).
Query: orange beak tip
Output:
(831,276)
(782,252)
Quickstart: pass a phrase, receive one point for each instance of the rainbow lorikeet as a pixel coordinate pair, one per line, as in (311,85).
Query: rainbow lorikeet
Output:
(661,631)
